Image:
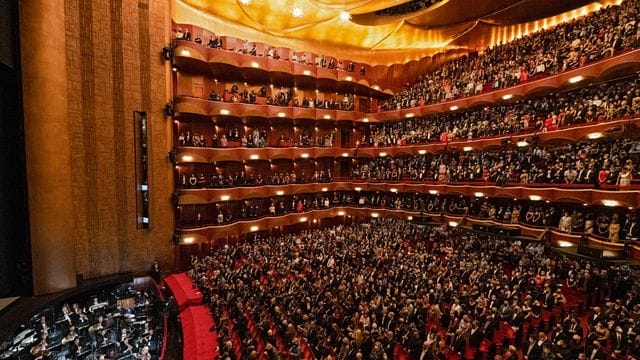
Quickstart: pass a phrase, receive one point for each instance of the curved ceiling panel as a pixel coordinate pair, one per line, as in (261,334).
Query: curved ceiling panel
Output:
(445,26)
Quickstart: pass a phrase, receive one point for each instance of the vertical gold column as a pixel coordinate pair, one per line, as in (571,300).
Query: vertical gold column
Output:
(44,78)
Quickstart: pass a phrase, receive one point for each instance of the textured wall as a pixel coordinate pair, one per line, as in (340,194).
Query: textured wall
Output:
(114,67)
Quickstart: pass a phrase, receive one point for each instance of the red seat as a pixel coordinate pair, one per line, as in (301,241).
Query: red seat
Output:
(451,355)
(485,346)
(470,353)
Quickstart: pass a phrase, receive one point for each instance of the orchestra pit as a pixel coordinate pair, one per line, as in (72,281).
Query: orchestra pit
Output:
(320,180)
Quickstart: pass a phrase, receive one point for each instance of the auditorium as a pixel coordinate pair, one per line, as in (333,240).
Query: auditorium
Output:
(320,180)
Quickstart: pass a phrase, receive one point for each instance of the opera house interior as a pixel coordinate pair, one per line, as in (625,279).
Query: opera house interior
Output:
(320,179)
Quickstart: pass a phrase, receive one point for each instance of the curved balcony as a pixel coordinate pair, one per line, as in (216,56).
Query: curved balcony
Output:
(585,196)
(627,62)
(568,134)
(217,236)
(188,108)
(232,65)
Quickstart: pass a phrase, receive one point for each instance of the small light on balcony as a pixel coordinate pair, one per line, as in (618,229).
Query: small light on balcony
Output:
(610,203)
(345,154)
(188,240)
(303,219)
(576,79)
(393,190)
(595,135)
(374,215)
(225,197)
(306,72)
(304,155)
(224,112)
(564,244)
(478,194)
(324,189)
(254,157)
(254,228)
(279,192)
(453,223)
(383,154)
(522,143)
(186,52)
(409,115)
(454,108)
(433,192)
(467,148)
(409,217)
(422,152)
(174,69)
(327,117)
(348,78)
(255,64)
(365,120)
(340,213)
(357,189)
(535,197)
(376,87)
(507,97)
(187,158)
(315,221)
(281,114)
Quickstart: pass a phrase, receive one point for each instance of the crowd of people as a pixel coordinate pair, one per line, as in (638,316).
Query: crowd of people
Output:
(366,290)
(116,323)
(283,97)
(256,138)
(224,179)
(564,47)
(249,48)
(601,102)
(595,163)
(612,224)
(407,8)
(610,100)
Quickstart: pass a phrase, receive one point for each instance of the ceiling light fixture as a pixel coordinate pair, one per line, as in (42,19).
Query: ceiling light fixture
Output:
(297,12)
(245,2)
(345,16)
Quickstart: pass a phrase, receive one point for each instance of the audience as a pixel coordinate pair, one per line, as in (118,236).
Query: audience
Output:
(564,47)
(610,224)
(595,163)
(362,291)
(605,101)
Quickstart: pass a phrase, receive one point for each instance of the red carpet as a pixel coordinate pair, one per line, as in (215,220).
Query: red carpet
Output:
(183,290)
(199,342)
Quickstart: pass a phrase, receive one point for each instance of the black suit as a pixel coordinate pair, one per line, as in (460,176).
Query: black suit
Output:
(531,350)
(619,343)
(475,337)
(459,344)
(595,354)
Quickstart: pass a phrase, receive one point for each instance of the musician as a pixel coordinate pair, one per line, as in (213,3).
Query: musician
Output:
(97,305)
(144,353)
(98,325)
(71,336)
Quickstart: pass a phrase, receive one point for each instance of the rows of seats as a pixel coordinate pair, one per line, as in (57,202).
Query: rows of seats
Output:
(388,288)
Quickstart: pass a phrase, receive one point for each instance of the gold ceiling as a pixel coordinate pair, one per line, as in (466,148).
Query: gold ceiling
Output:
(450,25)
